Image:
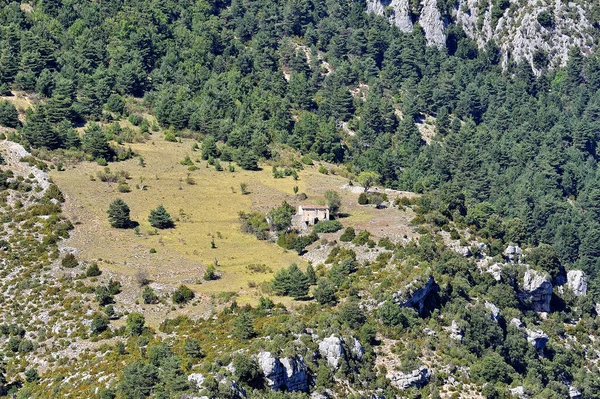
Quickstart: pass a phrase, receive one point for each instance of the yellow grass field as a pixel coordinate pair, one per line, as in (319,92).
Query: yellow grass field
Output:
(205,211)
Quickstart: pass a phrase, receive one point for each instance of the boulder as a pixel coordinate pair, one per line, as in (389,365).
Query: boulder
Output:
(357,349)
(332,350)
(319,395)
(196,380)
(455,331)
(495,312)
(272,369)
(415,294)
(537,338)
(416,378)
(517,323)
(496,271)
(296,374)
(513,253)
(537,287)
(518,392)
(574,393)
(577,282)
(287,373)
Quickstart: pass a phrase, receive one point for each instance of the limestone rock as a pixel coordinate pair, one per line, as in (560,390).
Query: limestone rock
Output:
(537,338)
(513,253)
(537,287)
(577,282)
(332,350)
(518,392)
(496,271)
(417,378)
(319,395)
(272,369)
(455,331)
(574,393)
(495,312)
(296,374)
(357,349)
(287,373)
(432,24)
(414,294)
(517,323)
(196,379)
(397,11)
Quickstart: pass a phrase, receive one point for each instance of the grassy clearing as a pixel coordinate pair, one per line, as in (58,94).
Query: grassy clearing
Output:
(204,211)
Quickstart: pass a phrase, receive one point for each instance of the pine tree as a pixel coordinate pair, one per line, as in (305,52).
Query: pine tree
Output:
(95,142)
(299,282)
(160,218)
(311,275)
(118,214)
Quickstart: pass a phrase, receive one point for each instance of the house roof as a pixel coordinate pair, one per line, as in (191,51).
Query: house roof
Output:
(314,207)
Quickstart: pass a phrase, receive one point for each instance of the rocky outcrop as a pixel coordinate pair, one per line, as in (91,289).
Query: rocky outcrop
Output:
(495,312)
(537,288)
(537,338)
(357,349)
(432,24)
(515,29)
(196,380)
(417,378)
(331,349)
(574,393)
(519,392)
(577,282)
(415,294)
(455,331)
(513,253)
(397,11)
(496,271)
(287,373)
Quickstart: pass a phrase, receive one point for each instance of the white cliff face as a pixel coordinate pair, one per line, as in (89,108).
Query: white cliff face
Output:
(397,11)
(577,282)
(432,24)
(517,31)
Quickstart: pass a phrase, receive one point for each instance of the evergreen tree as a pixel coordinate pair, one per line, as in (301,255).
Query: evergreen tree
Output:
(118,214)
(95,142)
(160,218)
(311,275)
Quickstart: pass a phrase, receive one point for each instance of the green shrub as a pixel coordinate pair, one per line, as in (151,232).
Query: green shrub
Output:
(93,270)
(348,235)
(362,238)
(182,295)
(306,160)
(328,226)
(69,261)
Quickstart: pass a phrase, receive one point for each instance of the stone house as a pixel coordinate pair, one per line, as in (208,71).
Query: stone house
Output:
(309,215)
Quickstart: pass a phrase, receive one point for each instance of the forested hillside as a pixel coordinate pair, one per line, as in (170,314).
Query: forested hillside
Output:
(510,156)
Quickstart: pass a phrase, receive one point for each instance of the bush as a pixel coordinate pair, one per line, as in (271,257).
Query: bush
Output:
(69,261)
(348,235)
(298,243)
(210,273)
(135,323)
(323,170)
(99,324)
(93,270)
(149,296)
(362,238)
(328,226)
(182,295)
(170,136)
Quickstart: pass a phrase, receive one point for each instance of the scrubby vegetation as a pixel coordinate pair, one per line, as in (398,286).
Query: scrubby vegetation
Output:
(507,198)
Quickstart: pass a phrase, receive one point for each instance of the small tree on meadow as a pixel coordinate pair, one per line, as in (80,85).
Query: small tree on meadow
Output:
(119,214)
(367,179)
(160,218)
(334,201)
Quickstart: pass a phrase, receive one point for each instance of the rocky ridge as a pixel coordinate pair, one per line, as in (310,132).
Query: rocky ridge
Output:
(516,28)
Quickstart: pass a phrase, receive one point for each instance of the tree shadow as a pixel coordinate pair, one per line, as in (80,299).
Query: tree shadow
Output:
(342,215)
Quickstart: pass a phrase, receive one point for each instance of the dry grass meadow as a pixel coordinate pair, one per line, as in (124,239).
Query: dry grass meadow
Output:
(204,211)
